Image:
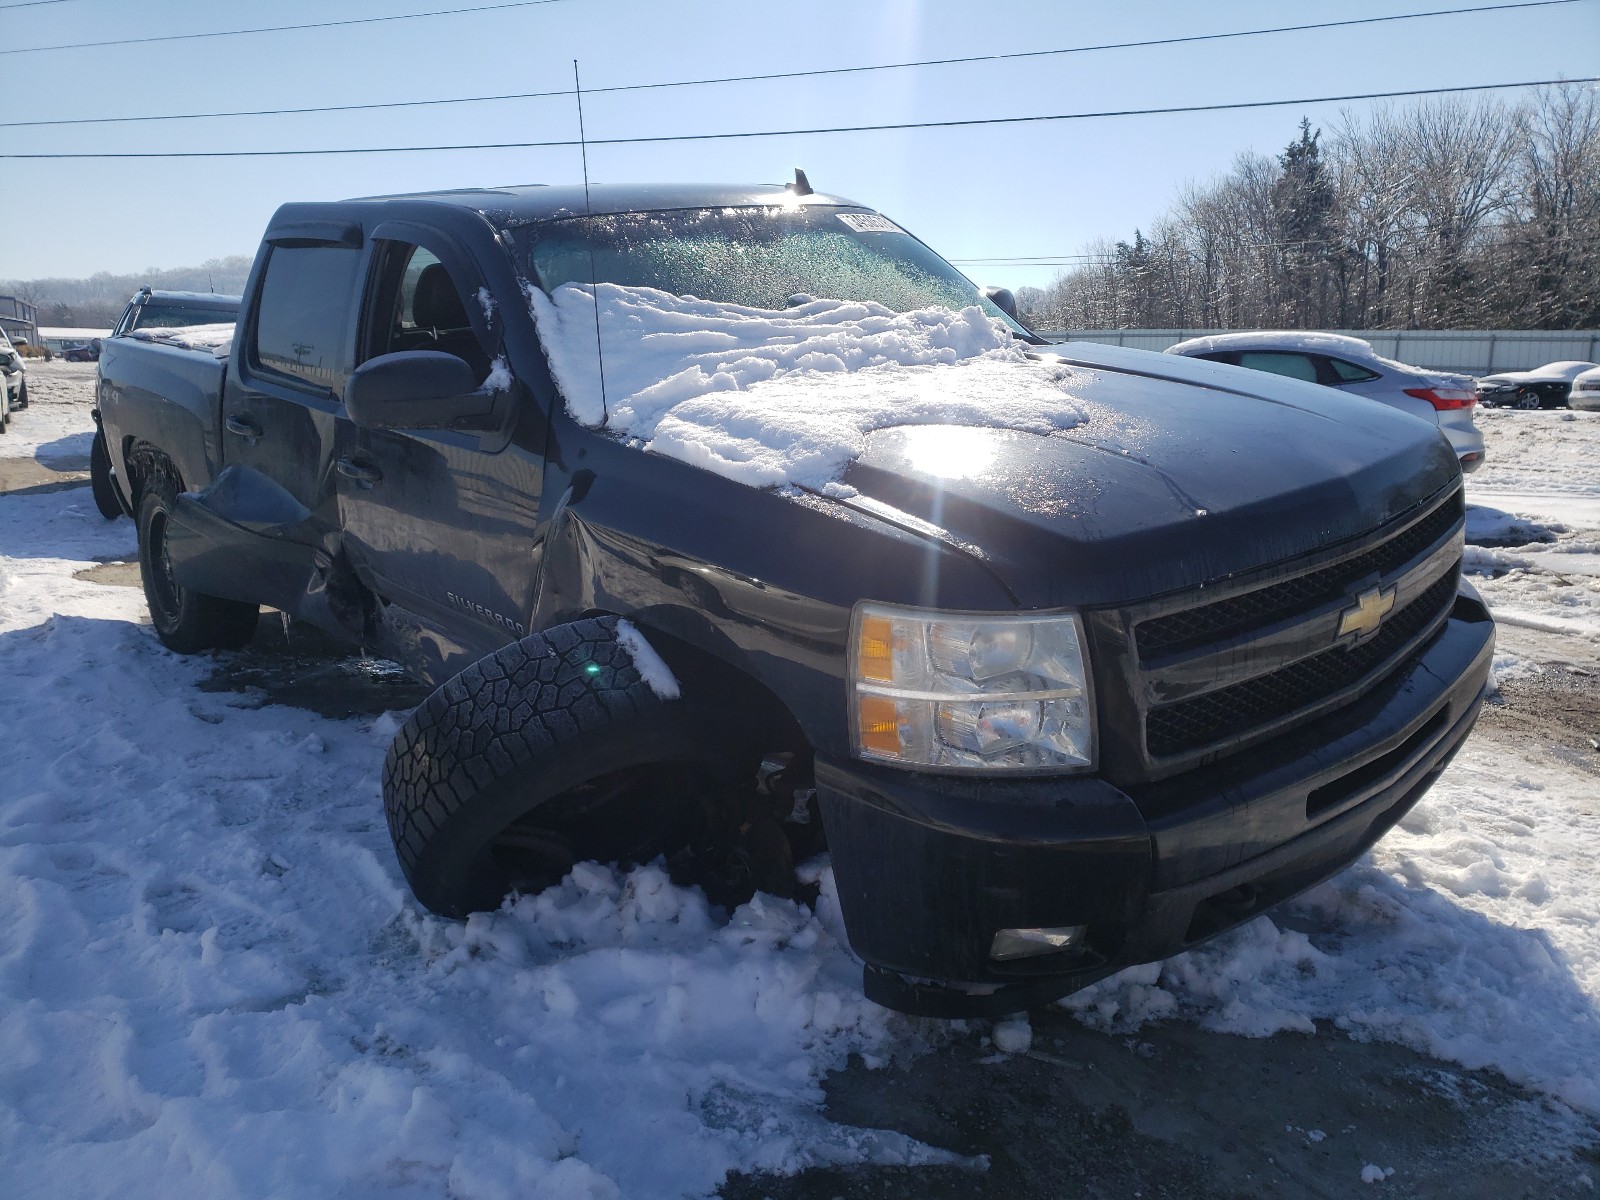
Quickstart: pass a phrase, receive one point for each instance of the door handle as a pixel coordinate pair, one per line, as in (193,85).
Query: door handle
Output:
(364,474)
(244,427)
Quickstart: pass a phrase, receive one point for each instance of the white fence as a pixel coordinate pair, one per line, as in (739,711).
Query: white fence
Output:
(1474,351)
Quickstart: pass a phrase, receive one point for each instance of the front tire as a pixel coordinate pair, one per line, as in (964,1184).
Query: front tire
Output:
(1527,400)
(551,750)
(186,621)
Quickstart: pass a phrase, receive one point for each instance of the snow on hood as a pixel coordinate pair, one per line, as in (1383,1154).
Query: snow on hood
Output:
(776,398)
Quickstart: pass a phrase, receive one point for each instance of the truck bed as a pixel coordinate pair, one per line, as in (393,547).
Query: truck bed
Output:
(166,394)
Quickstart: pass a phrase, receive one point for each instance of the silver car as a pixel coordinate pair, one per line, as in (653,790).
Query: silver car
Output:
(1352,365)
(13,378)
(1585,393)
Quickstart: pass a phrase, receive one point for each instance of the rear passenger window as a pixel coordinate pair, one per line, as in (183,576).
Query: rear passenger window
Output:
(1349,372)
(303,315)
(1295,366)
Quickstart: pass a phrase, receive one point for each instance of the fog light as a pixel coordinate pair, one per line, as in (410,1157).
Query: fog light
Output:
(1010,944)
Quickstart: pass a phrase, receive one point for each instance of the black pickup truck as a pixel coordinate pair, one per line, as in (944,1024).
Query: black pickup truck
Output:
(152,315)
(1056,701)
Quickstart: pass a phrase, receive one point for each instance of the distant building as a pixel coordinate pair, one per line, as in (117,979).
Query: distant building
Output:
(20,320)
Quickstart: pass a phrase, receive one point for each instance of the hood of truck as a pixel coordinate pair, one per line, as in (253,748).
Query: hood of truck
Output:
(1183,473)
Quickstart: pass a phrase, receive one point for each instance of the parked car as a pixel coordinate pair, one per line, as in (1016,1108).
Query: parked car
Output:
(1352,365)
(1542,387)
(1073,657)
(13,375)
(88,352)
(1585,393)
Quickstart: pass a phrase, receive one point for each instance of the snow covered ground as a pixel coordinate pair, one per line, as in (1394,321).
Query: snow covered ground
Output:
(213,982)
(56,424)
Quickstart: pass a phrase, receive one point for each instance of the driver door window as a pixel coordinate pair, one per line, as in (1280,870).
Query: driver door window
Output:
(419,307)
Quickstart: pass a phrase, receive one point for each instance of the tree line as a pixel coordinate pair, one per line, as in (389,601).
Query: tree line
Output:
(1445,214)
(97,302)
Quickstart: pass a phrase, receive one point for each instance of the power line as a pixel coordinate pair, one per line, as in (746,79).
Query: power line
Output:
(325,108)
(34,4)
(778,75)
(185,37)
(1185,39)
(766,133)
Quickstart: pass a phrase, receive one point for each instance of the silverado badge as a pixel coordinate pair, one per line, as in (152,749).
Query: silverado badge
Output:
(1367,613)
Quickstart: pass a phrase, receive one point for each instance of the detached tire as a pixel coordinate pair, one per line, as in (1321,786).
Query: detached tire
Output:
(186,621)
(100,481)
(549,751)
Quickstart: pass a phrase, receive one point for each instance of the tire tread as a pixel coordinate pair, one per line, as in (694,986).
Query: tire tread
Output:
(496,717)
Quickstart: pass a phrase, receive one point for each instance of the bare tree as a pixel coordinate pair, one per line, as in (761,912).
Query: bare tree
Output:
(1447,213)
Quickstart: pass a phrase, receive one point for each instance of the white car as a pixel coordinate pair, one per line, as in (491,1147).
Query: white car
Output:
(1352,365)
(1542,387)
(1585,393)
(13,381)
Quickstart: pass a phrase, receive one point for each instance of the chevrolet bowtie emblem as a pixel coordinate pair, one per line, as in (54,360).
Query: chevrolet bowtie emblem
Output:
(1367,613)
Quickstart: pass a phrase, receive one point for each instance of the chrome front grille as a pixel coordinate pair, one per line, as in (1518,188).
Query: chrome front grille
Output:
(1205,719)
(1264,654)
(1215,621)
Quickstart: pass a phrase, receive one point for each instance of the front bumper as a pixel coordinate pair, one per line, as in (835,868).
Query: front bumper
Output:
(929,868)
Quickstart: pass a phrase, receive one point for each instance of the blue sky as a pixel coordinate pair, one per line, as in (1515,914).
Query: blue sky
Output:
(985,192)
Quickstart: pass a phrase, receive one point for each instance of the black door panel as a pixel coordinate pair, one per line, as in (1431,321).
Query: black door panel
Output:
(441,524)
(281,414)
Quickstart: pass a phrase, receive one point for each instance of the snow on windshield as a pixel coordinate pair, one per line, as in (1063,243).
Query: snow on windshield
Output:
(775,398)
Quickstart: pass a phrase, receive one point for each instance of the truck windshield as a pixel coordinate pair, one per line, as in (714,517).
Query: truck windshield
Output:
(759,257)
(160,315)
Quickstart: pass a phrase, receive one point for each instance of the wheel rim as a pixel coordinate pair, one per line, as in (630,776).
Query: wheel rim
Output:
(164,590)
(1527,400)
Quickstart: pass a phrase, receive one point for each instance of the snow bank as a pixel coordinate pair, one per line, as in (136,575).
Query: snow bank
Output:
(214,982)
(1471,933)
(771,398)
(1491,527)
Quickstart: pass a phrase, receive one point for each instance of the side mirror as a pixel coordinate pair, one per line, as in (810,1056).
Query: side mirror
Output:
(415,389)
(1002,299)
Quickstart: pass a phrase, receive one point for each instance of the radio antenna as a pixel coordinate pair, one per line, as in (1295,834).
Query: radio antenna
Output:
(588,211)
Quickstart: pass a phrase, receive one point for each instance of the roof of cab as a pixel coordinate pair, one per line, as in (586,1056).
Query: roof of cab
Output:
(212,299)
(529,203)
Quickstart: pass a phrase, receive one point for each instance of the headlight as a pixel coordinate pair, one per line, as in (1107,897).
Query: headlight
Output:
(963,692)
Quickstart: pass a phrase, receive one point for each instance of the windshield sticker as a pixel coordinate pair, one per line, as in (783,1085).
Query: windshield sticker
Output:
(869,223)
